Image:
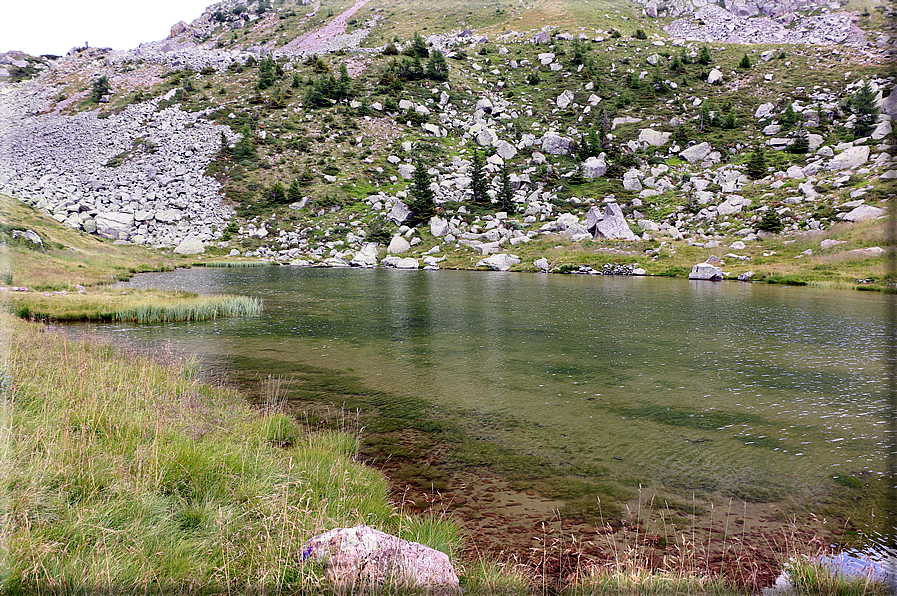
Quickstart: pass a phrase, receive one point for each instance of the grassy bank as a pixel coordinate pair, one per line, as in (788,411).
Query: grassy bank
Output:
(67,276)
(128,474)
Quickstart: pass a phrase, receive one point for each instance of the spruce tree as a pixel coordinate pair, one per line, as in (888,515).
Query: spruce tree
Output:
(505,193)
(478,183)
(862,103)
(704,56)
(756,166)
(789,118)
(771,222)
(421,199)
(418,48)
(745,62)
(437,67)
(294,194)
(101,87)
(224,148)
(266,73)
(731,120)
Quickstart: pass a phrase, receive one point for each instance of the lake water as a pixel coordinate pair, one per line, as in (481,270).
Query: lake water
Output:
(572,388)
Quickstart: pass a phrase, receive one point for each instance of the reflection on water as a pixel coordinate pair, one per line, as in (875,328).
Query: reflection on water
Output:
(751,391)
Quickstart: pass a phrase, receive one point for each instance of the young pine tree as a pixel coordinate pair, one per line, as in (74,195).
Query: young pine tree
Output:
(294,194)
(745,62)
(862,103)
(478,182)
(704,56)
(101,87)
(267,75)
(505,193)
(418,48)
(437,67)
(421,199)
(771,222)
(756,166)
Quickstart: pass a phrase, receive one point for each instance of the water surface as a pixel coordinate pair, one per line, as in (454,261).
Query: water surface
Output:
(745,391)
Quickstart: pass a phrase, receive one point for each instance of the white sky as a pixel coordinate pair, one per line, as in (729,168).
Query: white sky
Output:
(56,26)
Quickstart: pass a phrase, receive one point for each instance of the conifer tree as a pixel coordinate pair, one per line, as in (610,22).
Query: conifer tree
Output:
(421,199)
(294,194)
(266,73)
(437,67)
(505,193)
(101,87)
(756,166)
(745,62)
(418,47)
(704,56)
(771,222)
(862,103)
(478,183)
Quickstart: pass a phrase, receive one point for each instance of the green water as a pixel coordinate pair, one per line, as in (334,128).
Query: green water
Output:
(744,391)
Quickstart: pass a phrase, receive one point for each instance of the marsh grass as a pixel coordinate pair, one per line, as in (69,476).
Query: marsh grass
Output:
(239,264)
(137,306)
(125,474)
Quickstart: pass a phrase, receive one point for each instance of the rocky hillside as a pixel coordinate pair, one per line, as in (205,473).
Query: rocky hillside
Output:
(627,133)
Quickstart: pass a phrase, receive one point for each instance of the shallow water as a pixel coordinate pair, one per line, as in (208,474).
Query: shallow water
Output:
(743,391)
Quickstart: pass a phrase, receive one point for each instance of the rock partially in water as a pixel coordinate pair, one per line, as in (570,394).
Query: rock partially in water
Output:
(499,262)
(707,272)
(365,557)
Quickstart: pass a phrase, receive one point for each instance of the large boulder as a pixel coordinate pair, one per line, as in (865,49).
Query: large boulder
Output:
(397,246)
(114,225)
(714,77)
(367,558)
(610,224)
(555,144)
(564,99)
(499,262)
(398,213)
(191,245)
(439,226)
(863,213)
(707,272)
(851,157)
(696,152)
(400,262)
(505,150)
(652,137)
(366,257)
(594,167)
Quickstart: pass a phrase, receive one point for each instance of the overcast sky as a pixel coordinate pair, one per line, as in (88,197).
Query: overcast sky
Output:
(56,26)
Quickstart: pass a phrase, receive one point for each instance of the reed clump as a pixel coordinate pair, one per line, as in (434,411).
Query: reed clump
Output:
(239,264)
(138,306)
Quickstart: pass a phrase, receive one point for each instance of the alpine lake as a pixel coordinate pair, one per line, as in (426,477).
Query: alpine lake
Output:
(522,403)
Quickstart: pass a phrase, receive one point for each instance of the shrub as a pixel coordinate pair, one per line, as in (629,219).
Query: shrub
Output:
(745,62)
(390,50)
(640,34)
